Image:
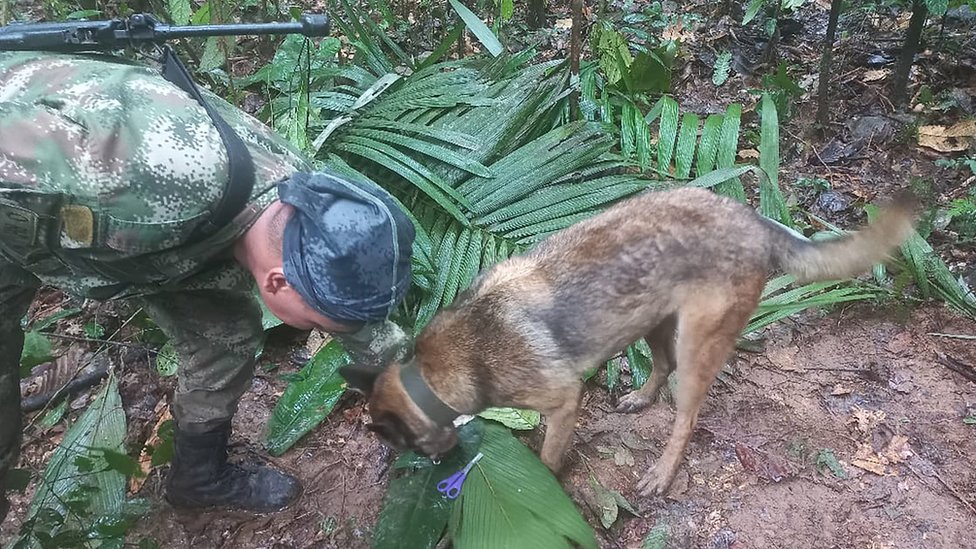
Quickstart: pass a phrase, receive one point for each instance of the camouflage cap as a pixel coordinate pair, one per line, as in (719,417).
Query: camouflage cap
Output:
(347,247)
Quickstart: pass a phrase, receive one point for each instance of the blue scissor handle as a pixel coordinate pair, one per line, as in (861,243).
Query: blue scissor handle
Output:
(451,486)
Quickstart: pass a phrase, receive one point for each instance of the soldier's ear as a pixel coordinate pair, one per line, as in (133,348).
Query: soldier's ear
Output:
(359,378)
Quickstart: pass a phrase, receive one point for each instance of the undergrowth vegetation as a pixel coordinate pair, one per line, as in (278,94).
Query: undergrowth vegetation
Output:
(486,154)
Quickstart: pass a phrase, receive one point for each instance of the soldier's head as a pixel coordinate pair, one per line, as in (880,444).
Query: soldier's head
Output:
(343,247)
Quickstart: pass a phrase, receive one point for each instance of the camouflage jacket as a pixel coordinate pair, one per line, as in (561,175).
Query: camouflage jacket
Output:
(105,170)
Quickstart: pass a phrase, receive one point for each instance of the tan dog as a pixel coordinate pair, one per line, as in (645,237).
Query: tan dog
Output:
(683,269)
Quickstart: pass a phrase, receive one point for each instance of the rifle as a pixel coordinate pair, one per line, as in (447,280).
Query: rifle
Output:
(144,29)
(138,29)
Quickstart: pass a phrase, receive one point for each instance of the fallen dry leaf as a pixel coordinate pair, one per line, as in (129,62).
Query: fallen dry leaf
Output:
(866,420)
(840,389)
(951,139)
(748,153)
(145,458)
(564,23)
(875,75)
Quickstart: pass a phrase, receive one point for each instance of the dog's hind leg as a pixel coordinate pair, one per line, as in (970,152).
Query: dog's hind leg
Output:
(661,342)
(560,425)
(707,331)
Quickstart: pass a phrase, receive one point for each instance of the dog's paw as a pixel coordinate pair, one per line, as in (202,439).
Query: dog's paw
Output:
(633,402)
(655,483)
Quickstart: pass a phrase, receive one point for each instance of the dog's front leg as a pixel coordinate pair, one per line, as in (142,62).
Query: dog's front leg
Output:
(560,425)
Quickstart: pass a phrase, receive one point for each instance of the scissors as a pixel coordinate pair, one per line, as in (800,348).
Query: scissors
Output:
(451,486)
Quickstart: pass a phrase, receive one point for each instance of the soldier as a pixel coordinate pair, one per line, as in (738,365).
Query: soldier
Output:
(107,174)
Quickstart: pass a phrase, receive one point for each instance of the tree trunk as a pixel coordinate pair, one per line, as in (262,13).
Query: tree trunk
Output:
(537,14)
(913,38)
(574,55)
(823,90)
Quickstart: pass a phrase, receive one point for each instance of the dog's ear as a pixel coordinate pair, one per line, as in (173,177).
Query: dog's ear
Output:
(359,378)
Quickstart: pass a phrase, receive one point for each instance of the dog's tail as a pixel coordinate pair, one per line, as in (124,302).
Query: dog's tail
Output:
(848,255)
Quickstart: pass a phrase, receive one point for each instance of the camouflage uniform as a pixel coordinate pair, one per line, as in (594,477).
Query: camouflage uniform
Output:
(105,170)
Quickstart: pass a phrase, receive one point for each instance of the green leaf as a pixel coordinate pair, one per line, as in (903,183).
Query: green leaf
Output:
(510,499)
(37,350)
(122,463)
(649,73)
(99,491)
(308,399)
(752,10)
(268,319)
(969,420)
(179,11)
(827,459)
(771,201)
(167,360)
(727,148)
(639,361)
(937,7)
(721,175)
(47,322)
(723,65)
(163,453)
(54,415)
(507,9)
(478,28)
(82,14)
(605,502)
(93,330)
(667,134)
(685,151)
(513,418)
(657,538)
(414,513)
(708,149)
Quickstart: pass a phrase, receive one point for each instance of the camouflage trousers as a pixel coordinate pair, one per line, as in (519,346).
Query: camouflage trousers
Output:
(217,336)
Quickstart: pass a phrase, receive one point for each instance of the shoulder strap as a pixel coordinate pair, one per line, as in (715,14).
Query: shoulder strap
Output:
(240,168)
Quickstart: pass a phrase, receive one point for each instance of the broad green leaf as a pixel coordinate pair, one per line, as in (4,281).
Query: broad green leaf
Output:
(507,9)
(510,499)
(639,361)
(649,73)
(67,487)
(707,150)
(167,360)
(752,10)
(179,11)
(667,134)
(49,321)
(53,416)
(478,28)
(685,151)
(37,350)
(414,513)
(721,175)
(727,148)
(771,201)
(308,399)
(513,418)
(937,7)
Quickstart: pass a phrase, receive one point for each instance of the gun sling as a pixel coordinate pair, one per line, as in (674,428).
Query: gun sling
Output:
(240,168)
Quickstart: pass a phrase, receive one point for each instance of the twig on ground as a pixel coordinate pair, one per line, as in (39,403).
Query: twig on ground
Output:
(952,336)
(948,486)
(958,366)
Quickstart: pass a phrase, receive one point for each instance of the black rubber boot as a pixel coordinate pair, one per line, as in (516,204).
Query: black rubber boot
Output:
(201,477)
